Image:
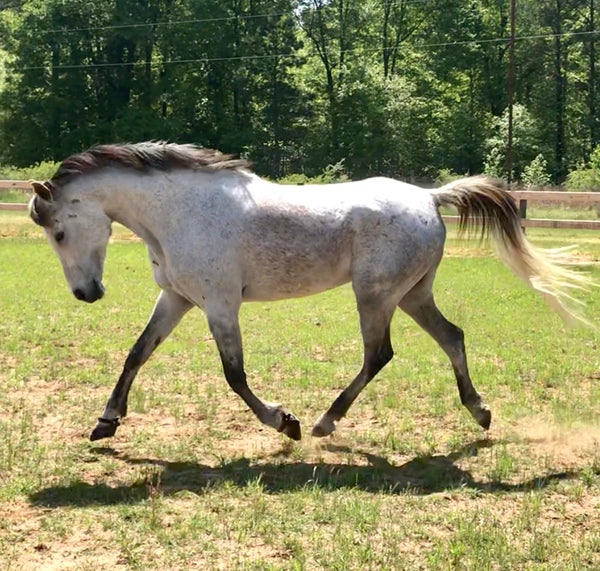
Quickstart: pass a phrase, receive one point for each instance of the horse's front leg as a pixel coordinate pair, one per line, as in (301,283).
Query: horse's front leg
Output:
(225,329)
(168,311)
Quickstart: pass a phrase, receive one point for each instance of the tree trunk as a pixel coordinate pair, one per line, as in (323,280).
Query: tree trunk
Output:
(592,117)
(560,85)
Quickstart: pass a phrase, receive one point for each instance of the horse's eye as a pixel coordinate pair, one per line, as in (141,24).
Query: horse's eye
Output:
(59,236)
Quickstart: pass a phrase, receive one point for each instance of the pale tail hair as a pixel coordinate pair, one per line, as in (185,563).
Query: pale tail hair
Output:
(485,206)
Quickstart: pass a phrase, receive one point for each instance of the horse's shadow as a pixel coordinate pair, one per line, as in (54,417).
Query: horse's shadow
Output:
(420,476)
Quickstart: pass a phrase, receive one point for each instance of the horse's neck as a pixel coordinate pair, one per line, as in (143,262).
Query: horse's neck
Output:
(153,206)
(133,203)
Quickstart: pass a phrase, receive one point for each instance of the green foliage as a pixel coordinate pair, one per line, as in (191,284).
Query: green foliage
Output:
(331,174)
(295,178)
(535,174)
(586,178)
(583,180)
(39,171)
(525,143)
(396,88)
(334,173)
(445,176)
(493,164)
(594,162)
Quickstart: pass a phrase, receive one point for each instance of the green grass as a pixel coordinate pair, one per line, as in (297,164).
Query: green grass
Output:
(562,212)
(14,195)
(192,480)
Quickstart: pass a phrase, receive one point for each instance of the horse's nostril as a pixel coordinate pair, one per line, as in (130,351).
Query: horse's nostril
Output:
(79,294)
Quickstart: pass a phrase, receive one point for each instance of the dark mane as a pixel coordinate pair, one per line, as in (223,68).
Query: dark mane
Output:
(144,157)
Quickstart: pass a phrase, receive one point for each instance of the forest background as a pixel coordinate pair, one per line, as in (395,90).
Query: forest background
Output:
(414,89)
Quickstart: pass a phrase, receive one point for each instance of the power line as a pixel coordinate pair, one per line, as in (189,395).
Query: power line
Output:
(136,25)
(299,56)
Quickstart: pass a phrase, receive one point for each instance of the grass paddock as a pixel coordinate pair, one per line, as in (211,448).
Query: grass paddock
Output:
(193,480)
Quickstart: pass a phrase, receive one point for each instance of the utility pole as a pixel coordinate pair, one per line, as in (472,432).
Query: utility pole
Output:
(508,164)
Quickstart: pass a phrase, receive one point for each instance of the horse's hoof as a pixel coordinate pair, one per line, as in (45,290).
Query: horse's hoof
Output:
(485,418)
(290,426)
(483,415)
(324,426)
(105,428)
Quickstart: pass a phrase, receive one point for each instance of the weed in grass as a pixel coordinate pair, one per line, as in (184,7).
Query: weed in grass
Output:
(530,511)
(153,489)
(593,542)
(588,476)
(503,464)
(394,442)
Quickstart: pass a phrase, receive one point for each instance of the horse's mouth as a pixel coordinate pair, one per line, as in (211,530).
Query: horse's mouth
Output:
(93,292)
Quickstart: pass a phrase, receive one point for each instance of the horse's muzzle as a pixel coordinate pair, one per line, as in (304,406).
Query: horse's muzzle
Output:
(93,292)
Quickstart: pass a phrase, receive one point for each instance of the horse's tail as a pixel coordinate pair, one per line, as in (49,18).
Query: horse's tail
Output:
(485,205)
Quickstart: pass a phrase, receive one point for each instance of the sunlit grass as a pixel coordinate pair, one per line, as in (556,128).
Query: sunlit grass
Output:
(192,479)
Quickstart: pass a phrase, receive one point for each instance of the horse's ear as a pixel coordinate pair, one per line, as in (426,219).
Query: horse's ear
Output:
(40,205)
(42,190)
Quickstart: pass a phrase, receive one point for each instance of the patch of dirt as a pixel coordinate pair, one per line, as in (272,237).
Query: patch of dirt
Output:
(255,549)
(8,361)
(36,547)
(467,251)
(567,445)
(77,547)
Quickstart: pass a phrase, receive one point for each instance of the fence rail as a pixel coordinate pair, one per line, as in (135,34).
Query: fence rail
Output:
(22,184)
(18,184)
(522,198)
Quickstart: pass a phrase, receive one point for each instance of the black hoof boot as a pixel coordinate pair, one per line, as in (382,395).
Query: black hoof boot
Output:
(105,428)
(290,426)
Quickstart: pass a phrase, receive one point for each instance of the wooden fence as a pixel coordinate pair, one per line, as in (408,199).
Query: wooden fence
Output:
(522,197)
(19,184)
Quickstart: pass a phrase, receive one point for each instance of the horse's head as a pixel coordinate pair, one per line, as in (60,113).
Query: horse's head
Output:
(78,230)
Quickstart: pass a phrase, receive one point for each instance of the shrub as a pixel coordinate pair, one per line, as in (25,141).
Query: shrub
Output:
(583,180)
(493,163)
(535,174)
(586,178)
(447,175)
(331,173)
(295,178)
(39,171)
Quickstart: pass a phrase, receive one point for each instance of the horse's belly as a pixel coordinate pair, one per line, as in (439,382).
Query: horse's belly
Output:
(281,282)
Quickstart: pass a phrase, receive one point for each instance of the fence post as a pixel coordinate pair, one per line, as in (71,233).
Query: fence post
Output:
(523,211)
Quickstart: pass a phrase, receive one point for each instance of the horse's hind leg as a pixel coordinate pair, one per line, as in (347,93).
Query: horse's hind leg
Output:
(420,305)
(375,318)
(224,326)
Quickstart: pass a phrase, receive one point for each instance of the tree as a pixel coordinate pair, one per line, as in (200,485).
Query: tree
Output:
(399,21)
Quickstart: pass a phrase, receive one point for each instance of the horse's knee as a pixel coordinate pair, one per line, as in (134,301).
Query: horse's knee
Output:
(134,359)
(140,352)
(453,343)
(459,335)
(385,355)
(379,360)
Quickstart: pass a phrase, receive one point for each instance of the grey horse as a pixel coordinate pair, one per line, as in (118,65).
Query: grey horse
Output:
(218,235)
